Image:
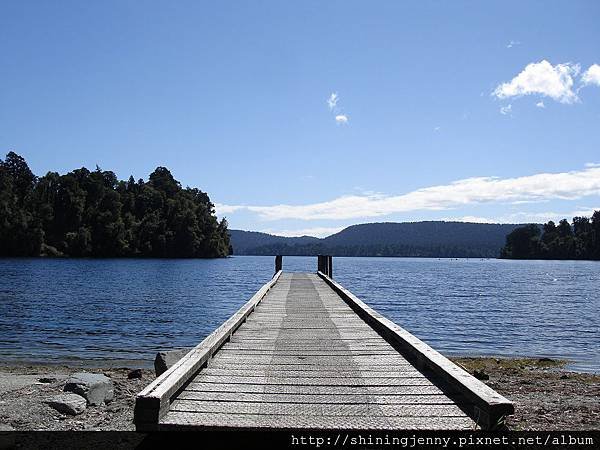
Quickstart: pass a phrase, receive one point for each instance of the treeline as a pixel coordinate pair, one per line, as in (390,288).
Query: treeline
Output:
(92,213)
(398,250)
(577,240)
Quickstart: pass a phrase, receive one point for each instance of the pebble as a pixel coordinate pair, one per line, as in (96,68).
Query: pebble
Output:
(481,375)
(136,373)
(47,380)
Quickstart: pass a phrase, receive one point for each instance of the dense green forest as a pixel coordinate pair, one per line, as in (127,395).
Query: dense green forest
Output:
(579,240)
(435,239)
(92,213)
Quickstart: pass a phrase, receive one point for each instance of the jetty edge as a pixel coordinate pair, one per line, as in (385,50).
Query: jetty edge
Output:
(304,352)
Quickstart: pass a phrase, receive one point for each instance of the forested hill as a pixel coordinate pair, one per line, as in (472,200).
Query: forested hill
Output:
(92,213)
(247,241)
(423,239)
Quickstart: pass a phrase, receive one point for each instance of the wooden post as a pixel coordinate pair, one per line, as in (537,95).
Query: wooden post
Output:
(325,264)
(320,266)
(278,263)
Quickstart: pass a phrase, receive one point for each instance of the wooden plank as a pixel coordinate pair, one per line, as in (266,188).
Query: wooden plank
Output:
(179,420)
(308,352)
(309,381)
(334,373)
(308,368)
(489,407)
(316,389)
(153,402)
(316,409)
(357,398)
(235,339)
(316,345)
(308,360)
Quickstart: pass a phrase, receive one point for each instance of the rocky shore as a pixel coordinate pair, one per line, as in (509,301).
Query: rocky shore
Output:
(546,396)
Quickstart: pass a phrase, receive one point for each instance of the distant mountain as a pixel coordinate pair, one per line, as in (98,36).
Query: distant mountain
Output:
(421,239)
(246,242)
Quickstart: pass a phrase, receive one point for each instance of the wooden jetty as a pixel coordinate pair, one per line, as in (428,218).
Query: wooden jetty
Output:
(305,353)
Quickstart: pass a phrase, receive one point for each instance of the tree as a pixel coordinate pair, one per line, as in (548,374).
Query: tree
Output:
(85,213)
(522,242)
(580,241)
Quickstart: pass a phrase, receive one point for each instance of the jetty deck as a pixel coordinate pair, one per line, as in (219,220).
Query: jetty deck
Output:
(305,353)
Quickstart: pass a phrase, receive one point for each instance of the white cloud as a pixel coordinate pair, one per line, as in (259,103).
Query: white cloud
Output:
(471,219)
(332,100)
(341,118)
(512,44)
(544,79)
(506,110)
(526,217)
(591,76)
(222,209)
(540,104)
(535,188)
(314,231)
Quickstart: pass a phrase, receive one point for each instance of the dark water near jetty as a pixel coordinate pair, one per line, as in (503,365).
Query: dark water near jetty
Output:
(123,311)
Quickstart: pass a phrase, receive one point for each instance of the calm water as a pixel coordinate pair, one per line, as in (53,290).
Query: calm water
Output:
(57,310)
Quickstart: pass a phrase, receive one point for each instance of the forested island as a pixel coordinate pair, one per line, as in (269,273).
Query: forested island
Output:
(93,214)
(579,240)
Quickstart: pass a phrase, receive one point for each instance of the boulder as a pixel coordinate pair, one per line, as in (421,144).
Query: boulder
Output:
(164,360)
(68,403)
(95,388)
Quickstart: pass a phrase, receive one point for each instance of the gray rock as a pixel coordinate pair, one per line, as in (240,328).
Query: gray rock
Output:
(164,360)
(68,403)
(95,388)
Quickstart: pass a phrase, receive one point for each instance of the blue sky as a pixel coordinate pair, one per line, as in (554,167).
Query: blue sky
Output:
(442,110)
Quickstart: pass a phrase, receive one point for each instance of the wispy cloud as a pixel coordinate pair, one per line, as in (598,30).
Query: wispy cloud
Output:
(332,101)
(534,188)
(527,217)
(471,219)
(544,79)
(506,110)
(591,76)
(341,119)
(314,231)
(222,209)
(512,44)
(540,104)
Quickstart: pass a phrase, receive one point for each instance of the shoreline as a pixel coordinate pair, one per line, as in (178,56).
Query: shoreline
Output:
(562,364)
(546,394)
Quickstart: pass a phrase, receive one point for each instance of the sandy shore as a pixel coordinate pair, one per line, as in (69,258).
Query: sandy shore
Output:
(546,396)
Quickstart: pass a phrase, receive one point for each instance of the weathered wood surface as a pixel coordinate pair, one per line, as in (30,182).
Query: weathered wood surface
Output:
(301,355)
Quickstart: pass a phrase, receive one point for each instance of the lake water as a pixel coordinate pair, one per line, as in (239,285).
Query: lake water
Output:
(125,310)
